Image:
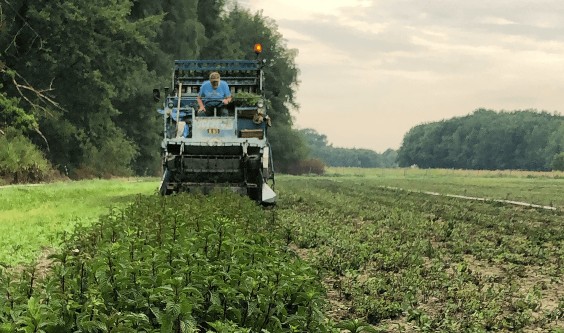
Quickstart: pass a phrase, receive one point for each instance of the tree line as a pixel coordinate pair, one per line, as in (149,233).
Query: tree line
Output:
(486,139)
(320,148)
(76,76)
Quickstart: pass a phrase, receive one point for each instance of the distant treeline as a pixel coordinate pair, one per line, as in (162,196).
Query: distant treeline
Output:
(485,139)
(320,149)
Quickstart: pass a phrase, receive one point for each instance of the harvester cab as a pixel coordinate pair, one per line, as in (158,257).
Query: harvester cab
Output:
(227,147)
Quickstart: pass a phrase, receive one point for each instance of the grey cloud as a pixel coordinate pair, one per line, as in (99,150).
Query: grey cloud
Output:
(395,48)
(538,19)
(346,38)
(467,31)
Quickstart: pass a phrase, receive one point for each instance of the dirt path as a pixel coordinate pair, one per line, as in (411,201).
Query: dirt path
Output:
(518,203)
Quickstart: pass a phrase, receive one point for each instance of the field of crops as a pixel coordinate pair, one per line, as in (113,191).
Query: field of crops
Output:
(338,253)
(408,262)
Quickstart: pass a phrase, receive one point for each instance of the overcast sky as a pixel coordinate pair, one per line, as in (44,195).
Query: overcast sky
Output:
(373,69)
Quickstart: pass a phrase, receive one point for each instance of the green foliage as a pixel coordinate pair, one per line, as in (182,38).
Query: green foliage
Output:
(281,75)
(430,264)
(11,115)
(96,53)
(33,218)
(20,160)
(203,263)
(100,61)
(113,157)
(525,140)
(246,98)
(534,187)
(288,146)
(357,326)
(558,162)
(344,157)
(180,263)
(218,33)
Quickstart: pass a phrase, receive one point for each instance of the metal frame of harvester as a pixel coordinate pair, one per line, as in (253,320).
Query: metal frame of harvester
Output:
(201,153)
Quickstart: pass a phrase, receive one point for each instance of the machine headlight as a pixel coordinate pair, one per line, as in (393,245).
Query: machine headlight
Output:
(260,103)
(170,104)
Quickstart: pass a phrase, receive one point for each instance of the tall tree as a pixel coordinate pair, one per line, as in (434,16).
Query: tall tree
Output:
(281,72)
(91,53)
(281,76)
(211,13)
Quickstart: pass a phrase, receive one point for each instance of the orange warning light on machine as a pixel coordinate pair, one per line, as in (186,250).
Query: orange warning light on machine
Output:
(258,48)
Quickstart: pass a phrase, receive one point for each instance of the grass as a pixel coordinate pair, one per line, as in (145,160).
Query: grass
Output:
(541,188)
(32,217)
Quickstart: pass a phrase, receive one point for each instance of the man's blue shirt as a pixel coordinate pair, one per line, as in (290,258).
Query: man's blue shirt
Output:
(208,92)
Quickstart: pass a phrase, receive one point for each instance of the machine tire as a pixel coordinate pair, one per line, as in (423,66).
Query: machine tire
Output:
(256,193)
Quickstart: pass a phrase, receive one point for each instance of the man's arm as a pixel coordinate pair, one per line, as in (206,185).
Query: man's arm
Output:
(200,104)
(226,93)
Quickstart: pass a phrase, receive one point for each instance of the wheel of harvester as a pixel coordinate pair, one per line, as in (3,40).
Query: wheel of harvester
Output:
(254,176)
(255,193)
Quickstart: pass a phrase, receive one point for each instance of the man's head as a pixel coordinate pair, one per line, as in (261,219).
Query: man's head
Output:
(214,79)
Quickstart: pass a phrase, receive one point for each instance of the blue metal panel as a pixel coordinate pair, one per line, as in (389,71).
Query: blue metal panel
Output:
(218,65)
(185,102)
(183,113)
(193,73)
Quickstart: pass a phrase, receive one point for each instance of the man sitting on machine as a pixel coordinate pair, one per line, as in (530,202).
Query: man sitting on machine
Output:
(216,94)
